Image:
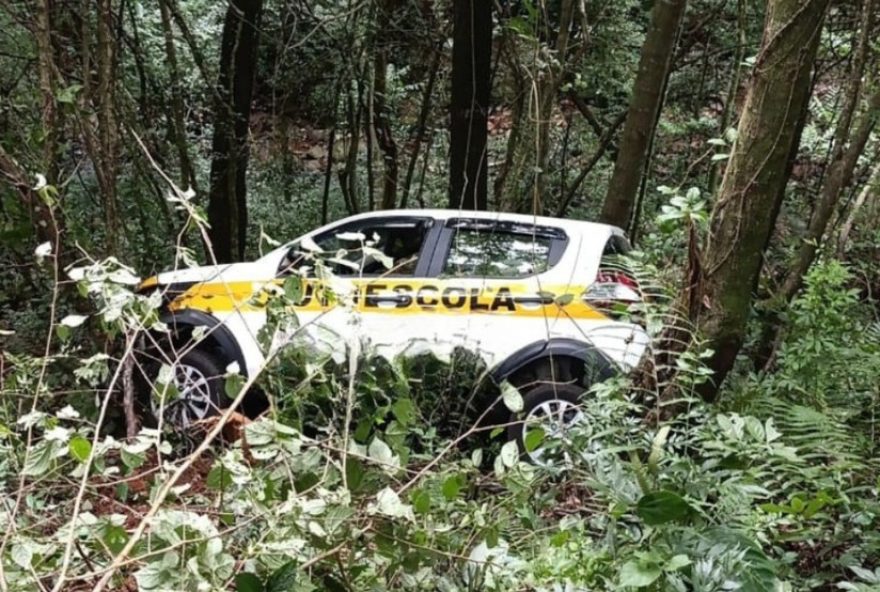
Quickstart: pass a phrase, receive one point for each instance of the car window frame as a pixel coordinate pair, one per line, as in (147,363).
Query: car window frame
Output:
(558,243)
(425,253)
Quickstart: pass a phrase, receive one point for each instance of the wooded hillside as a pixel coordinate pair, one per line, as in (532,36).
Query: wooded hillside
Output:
(735,141)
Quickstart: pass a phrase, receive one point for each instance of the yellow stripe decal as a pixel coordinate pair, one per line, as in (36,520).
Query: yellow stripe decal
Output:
(400,296)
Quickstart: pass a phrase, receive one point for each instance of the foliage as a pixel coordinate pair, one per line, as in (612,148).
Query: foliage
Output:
(368,473)
(779,494)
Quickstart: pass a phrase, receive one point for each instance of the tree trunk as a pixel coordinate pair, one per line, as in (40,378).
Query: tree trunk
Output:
(46,68)
(469,108)
(227,205)
(644,107)
(108,136)
(745,213)
(384,135)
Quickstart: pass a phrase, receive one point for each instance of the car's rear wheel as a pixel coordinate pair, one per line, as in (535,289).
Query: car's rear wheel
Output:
(541,429)
(197,393)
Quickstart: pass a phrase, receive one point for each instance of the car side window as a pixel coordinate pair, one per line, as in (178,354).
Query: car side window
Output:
(497,253)
(365,247)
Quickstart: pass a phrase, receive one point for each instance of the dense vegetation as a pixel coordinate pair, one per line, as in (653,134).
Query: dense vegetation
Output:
(735,140)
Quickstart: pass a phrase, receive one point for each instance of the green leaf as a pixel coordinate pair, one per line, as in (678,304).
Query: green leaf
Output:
(283,579)
(509,454)
(80,448)
(421,501)
(660,507)
(39,461)
(63,332)
(219,478)
(132,460)
(638,574)
(560,538)
(657,448)
(114,537)
(22,555)
(677,562)
(248,582)
(404,411)
(564,299)
(534,438)
(382,454)
(512,398)
(757,572)
(233,385)
(451,487)
(354,473)
(68,95)
(293,289)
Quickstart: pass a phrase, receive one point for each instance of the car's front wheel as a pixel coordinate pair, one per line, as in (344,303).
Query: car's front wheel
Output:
(194,391)
(549,412)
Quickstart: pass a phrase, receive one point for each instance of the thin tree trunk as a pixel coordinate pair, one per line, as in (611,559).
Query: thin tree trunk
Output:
(605,141)
(422,125)
(632,226)
(331,149)
(745,212)
(368,140)
(348,176)
(380,120)
(384,135)
(227,206)
(194,49)
(469,105)
(871,188)
(46,69)
(187,172)
(836,181)
(644,106)
(42,218)
(729,108)
(845,152)
(105,158)
(522,185)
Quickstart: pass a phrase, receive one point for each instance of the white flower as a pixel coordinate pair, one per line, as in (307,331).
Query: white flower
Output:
(41,182)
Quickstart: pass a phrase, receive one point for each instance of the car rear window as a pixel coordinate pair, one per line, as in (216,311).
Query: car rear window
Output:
(492,252)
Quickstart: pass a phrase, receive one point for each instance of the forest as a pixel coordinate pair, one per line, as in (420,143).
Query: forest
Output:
(735,142)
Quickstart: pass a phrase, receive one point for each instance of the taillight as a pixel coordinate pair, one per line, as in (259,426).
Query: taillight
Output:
(612,293)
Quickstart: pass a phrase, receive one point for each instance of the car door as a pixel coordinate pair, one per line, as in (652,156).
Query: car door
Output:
(375,264)
(498,283)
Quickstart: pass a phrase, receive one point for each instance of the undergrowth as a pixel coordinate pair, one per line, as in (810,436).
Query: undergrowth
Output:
(366,474)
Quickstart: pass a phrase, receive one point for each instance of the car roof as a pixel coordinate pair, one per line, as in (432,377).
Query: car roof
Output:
(445,214)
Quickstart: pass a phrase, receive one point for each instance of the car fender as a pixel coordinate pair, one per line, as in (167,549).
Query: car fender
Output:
(217,331)
(550,348)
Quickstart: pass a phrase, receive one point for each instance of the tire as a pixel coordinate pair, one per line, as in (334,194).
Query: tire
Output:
(204,373)
(538,402)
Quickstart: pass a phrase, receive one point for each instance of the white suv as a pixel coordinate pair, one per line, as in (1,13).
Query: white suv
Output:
(526,293)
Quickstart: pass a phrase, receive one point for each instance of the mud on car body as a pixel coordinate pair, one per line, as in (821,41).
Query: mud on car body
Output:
(527,293)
